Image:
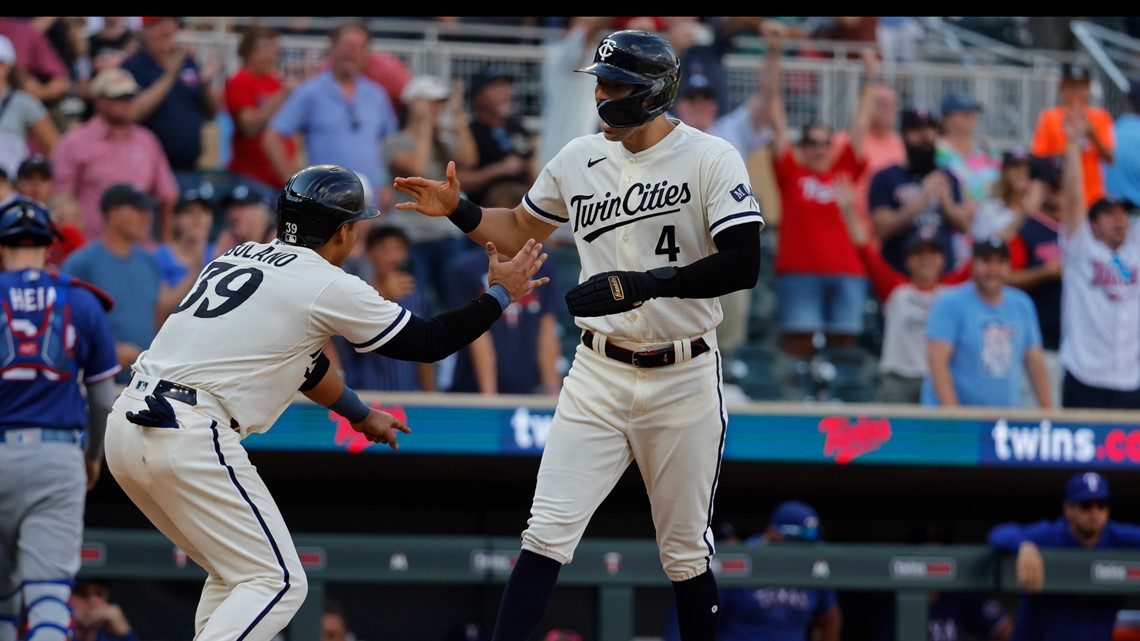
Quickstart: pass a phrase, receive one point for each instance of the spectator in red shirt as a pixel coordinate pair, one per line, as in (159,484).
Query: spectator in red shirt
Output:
(820,282)
(253,94)
(905,301)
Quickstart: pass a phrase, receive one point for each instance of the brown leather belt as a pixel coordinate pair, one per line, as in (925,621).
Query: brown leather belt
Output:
(644,358)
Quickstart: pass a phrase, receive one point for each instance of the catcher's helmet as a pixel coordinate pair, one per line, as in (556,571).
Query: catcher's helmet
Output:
(26,223)
(316,202)
(638,58)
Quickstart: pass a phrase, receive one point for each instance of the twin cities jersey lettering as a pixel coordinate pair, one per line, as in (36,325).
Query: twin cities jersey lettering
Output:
(656,208)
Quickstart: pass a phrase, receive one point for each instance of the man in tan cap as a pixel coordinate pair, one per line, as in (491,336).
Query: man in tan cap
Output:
(110,148)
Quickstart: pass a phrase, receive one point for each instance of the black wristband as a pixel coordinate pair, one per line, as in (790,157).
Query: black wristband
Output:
(467,215)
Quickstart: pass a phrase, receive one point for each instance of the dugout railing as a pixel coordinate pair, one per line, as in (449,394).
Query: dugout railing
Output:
(616,568)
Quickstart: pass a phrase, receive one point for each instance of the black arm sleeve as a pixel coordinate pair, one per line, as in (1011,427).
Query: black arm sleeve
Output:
(430,340)
(735,266)
(316,372)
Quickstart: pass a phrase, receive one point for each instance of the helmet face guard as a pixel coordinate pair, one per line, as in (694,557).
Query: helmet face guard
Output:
(630,111)
(644,60)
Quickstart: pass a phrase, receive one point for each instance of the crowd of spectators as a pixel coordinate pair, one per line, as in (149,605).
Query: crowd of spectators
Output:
(884,212)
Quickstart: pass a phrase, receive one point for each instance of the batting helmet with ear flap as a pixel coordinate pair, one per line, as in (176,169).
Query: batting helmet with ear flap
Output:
(26,223)
(316,202)
(637,58)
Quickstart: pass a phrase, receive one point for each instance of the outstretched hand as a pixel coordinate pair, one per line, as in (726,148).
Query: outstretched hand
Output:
(432,197)
(381,427)
(515,274)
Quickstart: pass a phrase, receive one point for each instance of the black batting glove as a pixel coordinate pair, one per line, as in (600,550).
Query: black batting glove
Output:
(158,414)
(617,291)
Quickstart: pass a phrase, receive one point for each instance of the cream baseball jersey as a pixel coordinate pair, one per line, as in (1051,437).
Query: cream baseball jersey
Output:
(256,320)
(637,211)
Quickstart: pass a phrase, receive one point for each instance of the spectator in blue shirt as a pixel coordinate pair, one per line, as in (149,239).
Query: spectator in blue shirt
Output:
(980,334)
(342,116)
(777,613)
(1085,524)
(1122,175)
(118,263)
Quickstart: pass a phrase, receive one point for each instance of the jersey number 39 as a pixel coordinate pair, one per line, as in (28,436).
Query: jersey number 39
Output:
(218,290)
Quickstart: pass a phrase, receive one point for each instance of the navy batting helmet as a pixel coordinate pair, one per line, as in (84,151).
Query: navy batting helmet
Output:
(26,223)
(316,202)
(637,58)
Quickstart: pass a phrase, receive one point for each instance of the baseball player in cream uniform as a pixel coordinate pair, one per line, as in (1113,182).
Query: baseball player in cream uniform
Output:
(230,359)
(665,222)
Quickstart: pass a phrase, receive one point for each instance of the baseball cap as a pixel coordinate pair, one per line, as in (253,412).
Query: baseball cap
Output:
(796,521)
(918,116)
(1014,157)
(1046,169)
(952,102)
(195,195)
(35,163)
(121,194)
(921,237)
(487,75)
(7,51)
(1075,72)
(115,82)
(986,246)
(429,87)
(244,195)
(696,84)
(1086,486)
(1106,203)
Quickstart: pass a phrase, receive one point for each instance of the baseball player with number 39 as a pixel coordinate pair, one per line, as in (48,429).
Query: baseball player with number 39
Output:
(665,222)
(230,359)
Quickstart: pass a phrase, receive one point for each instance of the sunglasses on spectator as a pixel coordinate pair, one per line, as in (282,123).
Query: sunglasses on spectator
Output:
(817,142)
(1088,505)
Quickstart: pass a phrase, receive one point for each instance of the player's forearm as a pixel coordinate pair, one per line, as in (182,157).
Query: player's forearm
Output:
(100,397)
(735,266)
(429,340)
(509,229)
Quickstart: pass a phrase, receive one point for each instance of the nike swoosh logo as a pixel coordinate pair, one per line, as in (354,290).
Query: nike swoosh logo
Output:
(591,162)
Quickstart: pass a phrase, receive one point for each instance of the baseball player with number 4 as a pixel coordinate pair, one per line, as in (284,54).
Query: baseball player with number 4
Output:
(665,222)
(229,360)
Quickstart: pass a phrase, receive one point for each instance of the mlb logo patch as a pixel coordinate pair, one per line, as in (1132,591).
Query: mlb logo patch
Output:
(141,386)
(740,192)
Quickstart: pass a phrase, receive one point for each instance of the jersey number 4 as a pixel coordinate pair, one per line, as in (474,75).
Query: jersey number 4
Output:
(667,244)
(223,292)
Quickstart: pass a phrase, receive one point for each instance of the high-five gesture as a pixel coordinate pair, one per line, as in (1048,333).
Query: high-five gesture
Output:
(432,197)
(515,274)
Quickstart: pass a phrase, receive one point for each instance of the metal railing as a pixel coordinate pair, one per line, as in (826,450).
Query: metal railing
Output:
(1013,87)
(615,568)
